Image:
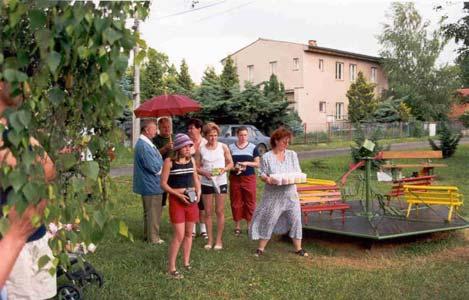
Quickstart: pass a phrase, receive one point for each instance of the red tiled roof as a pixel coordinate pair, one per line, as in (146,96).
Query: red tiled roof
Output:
(459,109)
(464,92)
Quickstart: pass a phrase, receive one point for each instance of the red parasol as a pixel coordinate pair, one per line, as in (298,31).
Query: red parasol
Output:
(167,105)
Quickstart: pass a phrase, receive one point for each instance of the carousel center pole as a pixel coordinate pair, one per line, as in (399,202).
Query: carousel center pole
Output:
(368,186)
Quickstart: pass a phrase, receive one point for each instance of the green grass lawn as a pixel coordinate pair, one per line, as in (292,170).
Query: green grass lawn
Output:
(124,156)
(430,267)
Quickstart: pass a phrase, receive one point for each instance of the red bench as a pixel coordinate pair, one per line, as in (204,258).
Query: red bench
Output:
(397,189)
(319,198)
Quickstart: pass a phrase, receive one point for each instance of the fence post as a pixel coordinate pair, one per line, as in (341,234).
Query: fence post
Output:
(304,128)
(350,131)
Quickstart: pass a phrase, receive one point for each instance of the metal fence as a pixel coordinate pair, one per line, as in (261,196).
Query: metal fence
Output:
(346,131)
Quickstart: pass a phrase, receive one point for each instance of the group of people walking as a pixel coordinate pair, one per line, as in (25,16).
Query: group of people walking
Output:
(193,171)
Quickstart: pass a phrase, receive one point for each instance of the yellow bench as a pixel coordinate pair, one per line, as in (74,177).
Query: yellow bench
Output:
(318,195)
(433,195)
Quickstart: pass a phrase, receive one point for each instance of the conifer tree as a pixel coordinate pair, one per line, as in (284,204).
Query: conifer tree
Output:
(170,81)
(362,102)
(229,79)
(209,94)
(152,75)
(184,79)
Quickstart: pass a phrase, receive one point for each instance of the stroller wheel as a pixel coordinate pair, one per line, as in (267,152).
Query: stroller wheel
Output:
(69,292)
(95,277)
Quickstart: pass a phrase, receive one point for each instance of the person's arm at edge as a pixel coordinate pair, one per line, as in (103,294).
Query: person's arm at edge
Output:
(198,188)
(198,164)
(228,159)
(150,162)
(15,238)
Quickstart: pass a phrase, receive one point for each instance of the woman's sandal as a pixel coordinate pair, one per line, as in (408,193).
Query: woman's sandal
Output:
(302,252)
(218,247)
(259,252)
(188,267)
(237,232)
(176,275)
(208,247)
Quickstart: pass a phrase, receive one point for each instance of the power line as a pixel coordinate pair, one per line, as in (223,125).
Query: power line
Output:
(224,12)
(191,10)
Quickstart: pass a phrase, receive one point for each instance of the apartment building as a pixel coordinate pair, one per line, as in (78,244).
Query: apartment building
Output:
(316,79)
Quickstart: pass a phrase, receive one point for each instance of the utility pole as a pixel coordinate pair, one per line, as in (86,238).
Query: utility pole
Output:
(136,94)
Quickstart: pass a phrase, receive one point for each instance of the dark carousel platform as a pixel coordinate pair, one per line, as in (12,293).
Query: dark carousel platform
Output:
(381,226)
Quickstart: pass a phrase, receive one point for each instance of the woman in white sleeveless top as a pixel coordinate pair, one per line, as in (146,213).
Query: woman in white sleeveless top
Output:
(213,161)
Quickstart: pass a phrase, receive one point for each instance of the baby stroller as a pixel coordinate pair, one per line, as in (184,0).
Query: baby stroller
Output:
(78,277)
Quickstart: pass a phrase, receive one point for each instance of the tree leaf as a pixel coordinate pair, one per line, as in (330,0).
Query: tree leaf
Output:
(14,138)
(103,78)
(24,118)
(66,161)
(111,35)
(17,179)
(16,15)
(123,229)
(99,218)
(83,52)
(30,191)
(38,19)
(13,75)
(90,169)
(4,225)
(53,61)
(56,96)
(140,57)
(43,260)
(43,39)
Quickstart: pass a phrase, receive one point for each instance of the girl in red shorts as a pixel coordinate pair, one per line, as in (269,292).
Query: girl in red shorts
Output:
(181,182)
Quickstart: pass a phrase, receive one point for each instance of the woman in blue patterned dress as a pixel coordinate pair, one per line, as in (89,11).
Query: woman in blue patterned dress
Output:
(279,212)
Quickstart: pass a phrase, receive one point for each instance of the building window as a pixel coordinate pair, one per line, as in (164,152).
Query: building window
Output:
(374,75)
(339,71)
(321,65)
(251,73)
(322,106)
(296,64)
(339,110)
(273,67)
(353,72)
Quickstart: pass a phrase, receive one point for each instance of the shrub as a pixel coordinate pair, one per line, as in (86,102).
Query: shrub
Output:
(416,129)
(449,140)
(358,152)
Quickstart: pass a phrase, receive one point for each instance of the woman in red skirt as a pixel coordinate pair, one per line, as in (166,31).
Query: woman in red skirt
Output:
(243,179)
(180,180)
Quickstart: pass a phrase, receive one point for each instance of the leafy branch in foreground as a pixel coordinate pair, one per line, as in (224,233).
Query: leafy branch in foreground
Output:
(66,61)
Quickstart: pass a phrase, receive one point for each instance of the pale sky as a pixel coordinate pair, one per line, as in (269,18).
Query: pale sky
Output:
(204,36)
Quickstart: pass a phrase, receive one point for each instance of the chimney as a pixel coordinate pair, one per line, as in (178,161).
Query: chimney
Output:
(312,43)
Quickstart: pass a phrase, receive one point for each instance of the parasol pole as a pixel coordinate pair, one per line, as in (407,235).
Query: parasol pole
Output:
(171,130)
(136,94)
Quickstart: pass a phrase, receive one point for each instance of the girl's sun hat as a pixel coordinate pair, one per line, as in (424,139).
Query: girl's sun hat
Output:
(181,140)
